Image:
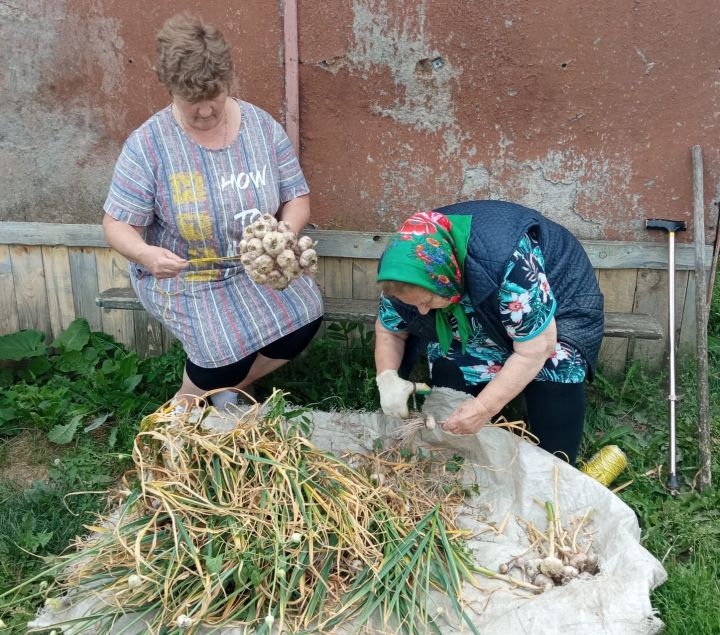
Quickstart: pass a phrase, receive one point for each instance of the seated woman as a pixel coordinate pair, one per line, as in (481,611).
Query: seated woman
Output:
(187,183)
(506,302)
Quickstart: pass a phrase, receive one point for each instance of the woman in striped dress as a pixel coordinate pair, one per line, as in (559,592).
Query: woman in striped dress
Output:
(187,182)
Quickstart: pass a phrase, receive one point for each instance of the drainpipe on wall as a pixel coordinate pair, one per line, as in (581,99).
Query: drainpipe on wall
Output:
(292,76)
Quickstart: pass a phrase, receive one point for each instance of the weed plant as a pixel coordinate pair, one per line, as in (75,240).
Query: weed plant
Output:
(86,394)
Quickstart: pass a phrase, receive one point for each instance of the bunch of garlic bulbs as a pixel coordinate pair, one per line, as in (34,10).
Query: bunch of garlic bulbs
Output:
(273,254)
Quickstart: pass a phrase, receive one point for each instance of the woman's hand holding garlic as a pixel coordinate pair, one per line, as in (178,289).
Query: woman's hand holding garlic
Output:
(468,417)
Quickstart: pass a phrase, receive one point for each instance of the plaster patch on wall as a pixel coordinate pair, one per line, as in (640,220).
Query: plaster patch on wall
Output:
(397,43)
(403,190)
(53,144)
(566,187)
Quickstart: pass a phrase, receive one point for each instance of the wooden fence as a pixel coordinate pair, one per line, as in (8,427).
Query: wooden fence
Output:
(52,273)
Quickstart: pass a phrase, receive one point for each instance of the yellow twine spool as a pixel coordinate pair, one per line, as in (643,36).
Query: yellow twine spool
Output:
(606,464)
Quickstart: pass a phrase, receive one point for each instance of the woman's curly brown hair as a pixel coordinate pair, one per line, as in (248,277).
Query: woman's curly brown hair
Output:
(194,60)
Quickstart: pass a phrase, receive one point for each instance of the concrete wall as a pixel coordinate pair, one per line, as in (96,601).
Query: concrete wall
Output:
(584,110)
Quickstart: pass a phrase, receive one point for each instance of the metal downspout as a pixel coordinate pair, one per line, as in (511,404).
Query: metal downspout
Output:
(292,76)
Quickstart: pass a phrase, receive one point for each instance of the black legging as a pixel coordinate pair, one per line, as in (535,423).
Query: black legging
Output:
(287,347)
(555,411)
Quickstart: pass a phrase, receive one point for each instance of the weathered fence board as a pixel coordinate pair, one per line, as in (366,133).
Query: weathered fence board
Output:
(30,293)
(83,269)
(112,272)
(651,296)
(618,287)
(8,305)
(58,281)
(51,273)
(348,244)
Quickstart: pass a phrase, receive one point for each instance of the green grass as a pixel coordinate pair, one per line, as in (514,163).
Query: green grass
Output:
(683,532)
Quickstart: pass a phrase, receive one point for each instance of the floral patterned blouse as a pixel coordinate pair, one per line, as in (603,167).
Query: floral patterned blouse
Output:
(527,305)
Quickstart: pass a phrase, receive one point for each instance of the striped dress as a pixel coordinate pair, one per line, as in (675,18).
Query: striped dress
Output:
(195,202)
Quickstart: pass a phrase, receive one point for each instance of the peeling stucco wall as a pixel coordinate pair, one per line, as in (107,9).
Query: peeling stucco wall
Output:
(586,111)
(76,77)
(52,151)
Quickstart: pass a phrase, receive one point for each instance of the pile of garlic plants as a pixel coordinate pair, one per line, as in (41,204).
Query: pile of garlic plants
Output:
(273,254)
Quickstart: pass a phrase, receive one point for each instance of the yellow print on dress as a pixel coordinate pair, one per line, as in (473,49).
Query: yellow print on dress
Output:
(204,271)
(187,187)
(195,226)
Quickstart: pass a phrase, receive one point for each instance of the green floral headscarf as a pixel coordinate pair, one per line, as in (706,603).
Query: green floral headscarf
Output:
(429,251)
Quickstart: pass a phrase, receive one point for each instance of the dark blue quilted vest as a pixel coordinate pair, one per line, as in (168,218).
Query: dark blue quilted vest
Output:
(496,229)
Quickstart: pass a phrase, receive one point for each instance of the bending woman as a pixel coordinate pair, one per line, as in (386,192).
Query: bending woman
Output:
(507,304)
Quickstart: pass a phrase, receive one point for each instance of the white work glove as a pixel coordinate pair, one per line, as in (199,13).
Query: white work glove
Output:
(394,393)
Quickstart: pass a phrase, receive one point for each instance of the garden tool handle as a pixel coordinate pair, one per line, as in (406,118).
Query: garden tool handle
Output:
(666,224)
(671,227)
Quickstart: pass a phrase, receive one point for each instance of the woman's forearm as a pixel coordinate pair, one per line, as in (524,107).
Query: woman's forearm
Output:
(519,370)
(389,348)
(296,212)
(126,239)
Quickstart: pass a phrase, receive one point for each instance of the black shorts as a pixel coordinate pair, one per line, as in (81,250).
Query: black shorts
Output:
(287,347)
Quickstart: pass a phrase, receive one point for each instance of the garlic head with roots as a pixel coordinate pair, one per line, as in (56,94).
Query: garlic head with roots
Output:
(552,566)
(276,280)
(270,221)
(248,232)
(261,229)
(290,240)
(543,581)
(273,243)
(285,258)
(307,258)
(264,264)
(183,622)
(254,246)
(247,259)
(568,573)
(578,560)
(377,478)
(292,271)
(257,277)
(304,243)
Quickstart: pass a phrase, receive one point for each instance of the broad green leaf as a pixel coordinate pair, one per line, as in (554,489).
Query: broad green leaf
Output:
(7,414)
(39,366)
(64,434)
(97,422)
(131,382)
(75,337)
(22,345)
